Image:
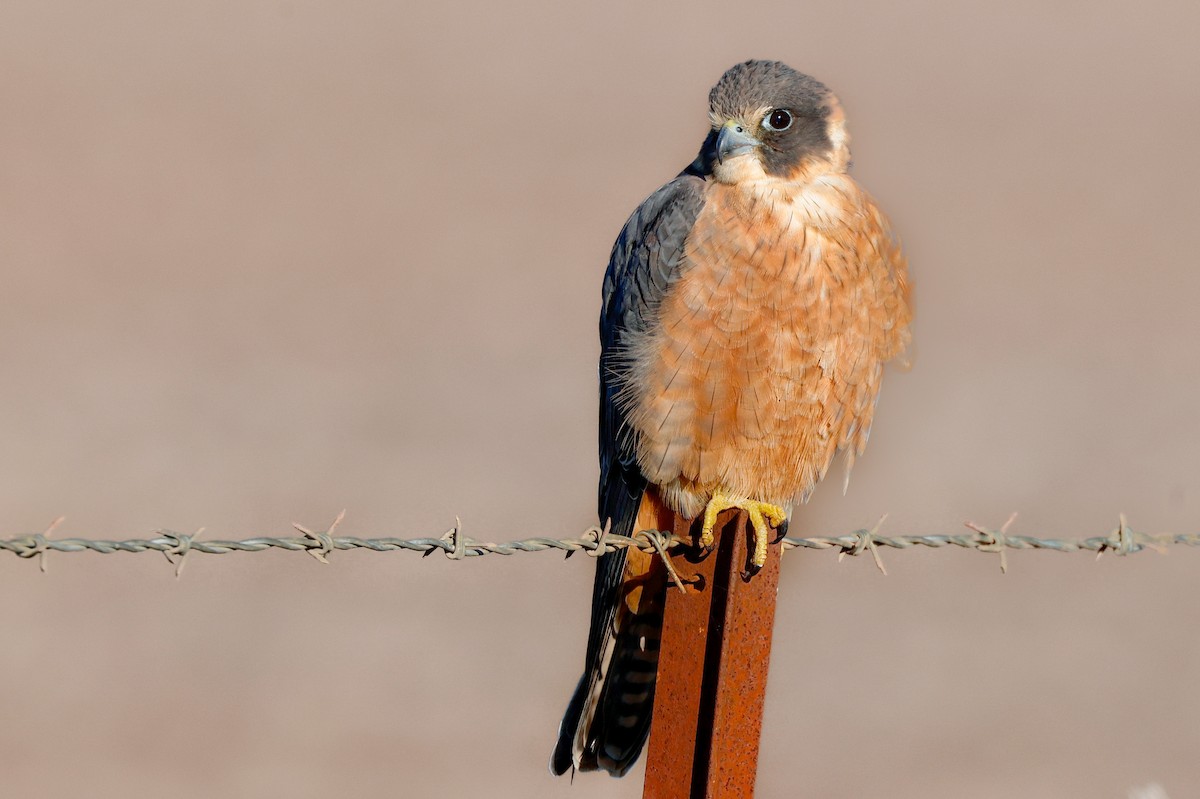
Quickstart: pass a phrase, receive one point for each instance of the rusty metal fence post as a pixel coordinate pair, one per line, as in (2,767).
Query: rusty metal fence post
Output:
(712,670)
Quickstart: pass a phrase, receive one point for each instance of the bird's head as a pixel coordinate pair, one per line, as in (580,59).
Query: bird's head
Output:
(770,121)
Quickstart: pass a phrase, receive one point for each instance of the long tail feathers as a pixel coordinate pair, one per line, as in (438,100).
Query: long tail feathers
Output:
(608,718)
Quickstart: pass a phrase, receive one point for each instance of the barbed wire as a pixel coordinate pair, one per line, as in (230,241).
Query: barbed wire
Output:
(595,541)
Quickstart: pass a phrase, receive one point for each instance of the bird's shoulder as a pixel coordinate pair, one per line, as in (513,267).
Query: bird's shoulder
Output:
(648,253)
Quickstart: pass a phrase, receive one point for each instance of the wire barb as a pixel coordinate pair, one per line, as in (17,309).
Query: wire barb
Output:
(865,540)
(323,540)
(182,548)
(995,540)
(36,546)
(1123,541)
(458,544)
(662,542)
(600,536)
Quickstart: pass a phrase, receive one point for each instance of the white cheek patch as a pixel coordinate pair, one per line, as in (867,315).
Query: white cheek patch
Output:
(839,137)
(837,134)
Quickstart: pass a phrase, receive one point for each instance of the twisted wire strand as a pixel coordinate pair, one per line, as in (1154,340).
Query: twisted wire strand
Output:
(594,541)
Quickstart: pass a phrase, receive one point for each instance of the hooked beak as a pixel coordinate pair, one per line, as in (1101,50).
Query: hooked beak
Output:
(734,140)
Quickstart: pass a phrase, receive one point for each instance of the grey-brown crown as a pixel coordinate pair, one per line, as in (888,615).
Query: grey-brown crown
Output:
(751,85)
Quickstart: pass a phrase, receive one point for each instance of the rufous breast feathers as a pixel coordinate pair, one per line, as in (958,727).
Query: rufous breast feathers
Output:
(767,352)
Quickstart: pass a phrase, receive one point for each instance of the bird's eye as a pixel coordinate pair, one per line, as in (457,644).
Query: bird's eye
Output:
(779,119)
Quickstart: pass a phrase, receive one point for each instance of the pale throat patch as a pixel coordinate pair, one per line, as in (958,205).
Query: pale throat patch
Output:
(814,197)
(747,168)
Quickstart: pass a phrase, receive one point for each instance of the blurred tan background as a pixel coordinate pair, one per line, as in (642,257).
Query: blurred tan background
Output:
(263,261)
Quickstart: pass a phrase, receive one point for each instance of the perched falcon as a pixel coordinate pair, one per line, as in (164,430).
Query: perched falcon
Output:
(749,307)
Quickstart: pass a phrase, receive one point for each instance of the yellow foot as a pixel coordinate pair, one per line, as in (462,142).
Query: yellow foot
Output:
(761,515)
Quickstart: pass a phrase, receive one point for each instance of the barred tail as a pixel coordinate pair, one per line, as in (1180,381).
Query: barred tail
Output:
(608,718)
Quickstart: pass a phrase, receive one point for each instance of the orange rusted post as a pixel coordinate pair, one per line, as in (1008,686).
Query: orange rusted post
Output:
(712,670)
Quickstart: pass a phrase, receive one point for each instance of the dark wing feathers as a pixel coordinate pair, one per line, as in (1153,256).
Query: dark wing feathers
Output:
(645,261)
